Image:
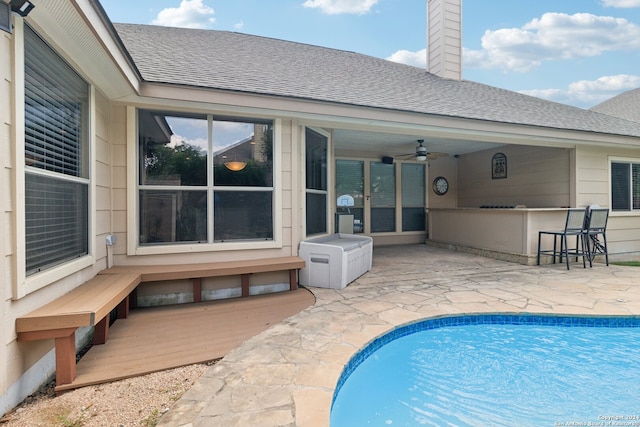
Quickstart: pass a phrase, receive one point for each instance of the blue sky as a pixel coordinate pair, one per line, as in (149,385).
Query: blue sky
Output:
(579,52)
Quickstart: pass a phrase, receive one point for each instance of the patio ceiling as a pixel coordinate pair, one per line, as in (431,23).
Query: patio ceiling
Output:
(375,144)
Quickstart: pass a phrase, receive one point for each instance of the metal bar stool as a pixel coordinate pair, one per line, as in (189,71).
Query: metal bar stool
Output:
(597,226)
(574,226)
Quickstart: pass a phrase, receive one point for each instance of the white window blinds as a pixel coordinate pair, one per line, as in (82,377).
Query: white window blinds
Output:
(55,148)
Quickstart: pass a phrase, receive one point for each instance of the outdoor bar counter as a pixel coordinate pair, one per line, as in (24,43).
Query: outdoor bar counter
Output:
(508,233)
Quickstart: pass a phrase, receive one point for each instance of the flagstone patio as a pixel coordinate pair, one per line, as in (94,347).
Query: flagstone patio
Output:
(286,375)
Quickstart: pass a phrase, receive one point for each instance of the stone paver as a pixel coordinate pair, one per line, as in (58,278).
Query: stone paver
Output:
(286,375)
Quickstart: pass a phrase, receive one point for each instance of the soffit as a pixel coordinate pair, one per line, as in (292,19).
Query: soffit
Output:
(75,30)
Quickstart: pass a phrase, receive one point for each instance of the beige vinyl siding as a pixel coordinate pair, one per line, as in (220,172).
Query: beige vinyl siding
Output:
(537,177)
(592,179)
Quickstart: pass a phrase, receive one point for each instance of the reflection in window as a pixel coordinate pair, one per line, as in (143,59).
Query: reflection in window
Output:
(243,215)
(177,177)
(56,149)
(173,149)
(316,182)
(243,154)
(173,216)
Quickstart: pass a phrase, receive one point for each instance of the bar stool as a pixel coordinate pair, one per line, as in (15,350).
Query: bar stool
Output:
(597,226)
(574,226)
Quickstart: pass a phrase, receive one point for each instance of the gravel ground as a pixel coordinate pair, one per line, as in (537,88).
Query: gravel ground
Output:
(138,401)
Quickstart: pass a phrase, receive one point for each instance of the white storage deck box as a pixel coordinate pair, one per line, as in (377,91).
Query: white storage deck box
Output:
(335,261)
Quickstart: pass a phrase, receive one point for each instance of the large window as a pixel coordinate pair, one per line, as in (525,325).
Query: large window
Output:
(204,179)
(316,182)
(625,186)
(56,158)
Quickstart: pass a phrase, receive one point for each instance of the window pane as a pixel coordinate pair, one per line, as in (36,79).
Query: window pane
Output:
(243,215)
(243,153)
(413,185)
(316,213)
(316,160)
(56,117)
(56,220)
(56,111)
(413,197)
(383,219)
(620,186)
(350,180)
(316,182)
(383,197)
(413,219)
(173,149)
(173,216)
(383,184)
(636,185)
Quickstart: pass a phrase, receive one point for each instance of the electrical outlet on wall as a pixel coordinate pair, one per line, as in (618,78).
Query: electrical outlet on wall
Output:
(110,239)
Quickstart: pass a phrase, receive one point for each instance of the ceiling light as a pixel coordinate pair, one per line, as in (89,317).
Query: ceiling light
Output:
(235,165)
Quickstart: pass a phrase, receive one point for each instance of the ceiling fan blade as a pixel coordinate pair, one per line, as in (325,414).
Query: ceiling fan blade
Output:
(435,155)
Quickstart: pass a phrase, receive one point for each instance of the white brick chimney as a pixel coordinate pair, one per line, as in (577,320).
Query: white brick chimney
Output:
(444,38)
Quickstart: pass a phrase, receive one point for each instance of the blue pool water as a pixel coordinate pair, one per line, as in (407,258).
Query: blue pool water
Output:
(496,371)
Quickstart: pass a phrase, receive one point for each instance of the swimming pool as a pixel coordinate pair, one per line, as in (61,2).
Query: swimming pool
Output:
(496,370)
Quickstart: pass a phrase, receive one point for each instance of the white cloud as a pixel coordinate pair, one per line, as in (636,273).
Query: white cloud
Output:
(239,25)
(190,14)
(621,3)
(587,93)
(553,37)
(337,7)
(417,59)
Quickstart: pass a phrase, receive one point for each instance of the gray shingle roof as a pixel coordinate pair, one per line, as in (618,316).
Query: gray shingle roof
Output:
(245,63)
(626,106)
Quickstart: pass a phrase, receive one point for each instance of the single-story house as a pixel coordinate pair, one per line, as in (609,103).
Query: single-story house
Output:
(131,144)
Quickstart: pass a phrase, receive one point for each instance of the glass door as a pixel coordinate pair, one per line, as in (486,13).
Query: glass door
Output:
(383,197)
(350,183)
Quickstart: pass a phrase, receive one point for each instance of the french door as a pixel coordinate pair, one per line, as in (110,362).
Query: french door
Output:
(387,198)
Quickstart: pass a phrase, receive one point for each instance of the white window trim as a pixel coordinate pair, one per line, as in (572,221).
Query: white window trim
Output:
(133,223)
(23,285)
(613,159)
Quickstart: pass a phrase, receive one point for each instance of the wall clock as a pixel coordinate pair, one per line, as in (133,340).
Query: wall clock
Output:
(440,185)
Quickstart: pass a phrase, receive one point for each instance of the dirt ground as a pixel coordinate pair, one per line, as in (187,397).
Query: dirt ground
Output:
(138,401)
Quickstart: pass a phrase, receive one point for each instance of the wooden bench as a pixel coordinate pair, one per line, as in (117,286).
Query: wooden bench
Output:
(195,272)
(87,305)
(115,288)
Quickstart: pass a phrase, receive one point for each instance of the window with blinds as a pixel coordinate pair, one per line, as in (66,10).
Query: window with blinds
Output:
(625,186)
(413,197)
(350,181)
(56,153)
(383,197)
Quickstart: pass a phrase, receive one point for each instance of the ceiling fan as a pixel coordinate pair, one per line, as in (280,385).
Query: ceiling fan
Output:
(422,154)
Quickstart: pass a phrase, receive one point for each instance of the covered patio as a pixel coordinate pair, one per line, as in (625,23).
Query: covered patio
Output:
(286,375)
